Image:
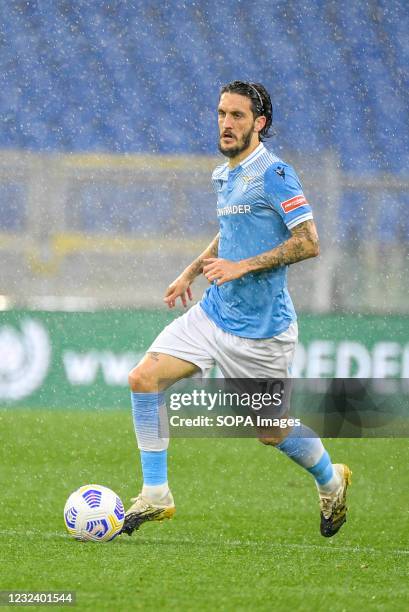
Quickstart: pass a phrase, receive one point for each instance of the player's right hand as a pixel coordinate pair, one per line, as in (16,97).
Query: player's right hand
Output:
(180,288)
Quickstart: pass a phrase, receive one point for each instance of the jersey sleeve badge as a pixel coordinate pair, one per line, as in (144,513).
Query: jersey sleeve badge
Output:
(294,203)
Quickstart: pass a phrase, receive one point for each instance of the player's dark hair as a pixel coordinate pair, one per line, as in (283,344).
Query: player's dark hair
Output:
(260,101)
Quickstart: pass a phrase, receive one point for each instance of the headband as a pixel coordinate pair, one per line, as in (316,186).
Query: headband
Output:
(258,95)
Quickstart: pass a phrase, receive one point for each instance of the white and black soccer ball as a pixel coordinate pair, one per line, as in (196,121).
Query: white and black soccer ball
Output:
(94,512)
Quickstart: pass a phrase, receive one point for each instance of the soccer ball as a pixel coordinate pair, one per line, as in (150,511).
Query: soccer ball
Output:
(94,512)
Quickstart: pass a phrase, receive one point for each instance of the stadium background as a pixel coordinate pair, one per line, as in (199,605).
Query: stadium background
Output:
(109,137)
(107,142)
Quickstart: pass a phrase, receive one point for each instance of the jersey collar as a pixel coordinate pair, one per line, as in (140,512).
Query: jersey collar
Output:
(224,175)
(253,156)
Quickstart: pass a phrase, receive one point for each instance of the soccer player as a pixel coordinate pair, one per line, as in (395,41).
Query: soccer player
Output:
(245,322)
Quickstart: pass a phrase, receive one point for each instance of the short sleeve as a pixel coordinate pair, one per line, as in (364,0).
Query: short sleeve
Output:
(284,193)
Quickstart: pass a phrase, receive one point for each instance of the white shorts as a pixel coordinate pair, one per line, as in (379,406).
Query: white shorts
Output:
(195,338)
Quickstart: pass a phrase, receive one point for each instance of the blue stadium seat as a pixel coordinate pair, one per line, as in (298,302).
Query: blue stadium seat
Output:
(137,67)
(144,77)
(12,207)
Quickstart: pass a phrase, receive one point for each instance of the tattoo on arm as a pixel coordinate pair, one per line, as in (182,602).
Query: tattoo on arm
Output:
(196,267)
(302,245)
(213,247)
(154,356)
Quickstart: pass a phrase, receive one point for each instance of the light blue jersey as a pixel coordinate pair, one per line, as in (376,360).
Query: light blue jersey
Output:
(258,202)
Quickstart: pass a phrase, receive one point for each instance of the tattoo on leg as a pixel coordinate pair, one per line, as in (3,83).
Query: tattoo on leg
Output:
(154,356)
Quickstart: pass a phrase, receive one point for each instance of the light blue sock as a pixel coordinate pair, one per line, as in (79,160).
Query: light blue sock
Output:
(154,467)
(304,447)
(147,411)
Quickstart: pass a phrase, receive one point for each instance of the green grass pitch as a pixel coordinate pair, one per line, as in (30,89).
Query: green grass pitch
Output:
(245,535)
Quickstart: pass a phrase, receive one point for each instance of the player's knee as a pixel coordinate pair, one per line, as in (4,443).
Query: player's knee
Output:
(269,441)
(272,439)
(141,380)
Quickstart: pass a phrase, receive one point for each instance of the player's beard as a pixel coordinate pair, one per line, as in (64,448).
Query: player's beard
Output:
(241,146)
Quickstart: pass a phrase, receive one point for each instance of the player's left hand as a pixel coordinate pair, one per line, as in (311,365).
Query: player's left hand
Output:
(222,270)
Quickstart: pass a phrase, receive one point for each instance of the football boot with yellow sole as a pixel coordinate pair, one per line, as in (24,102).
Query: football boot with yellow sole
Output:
(144,510)
(333,506)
